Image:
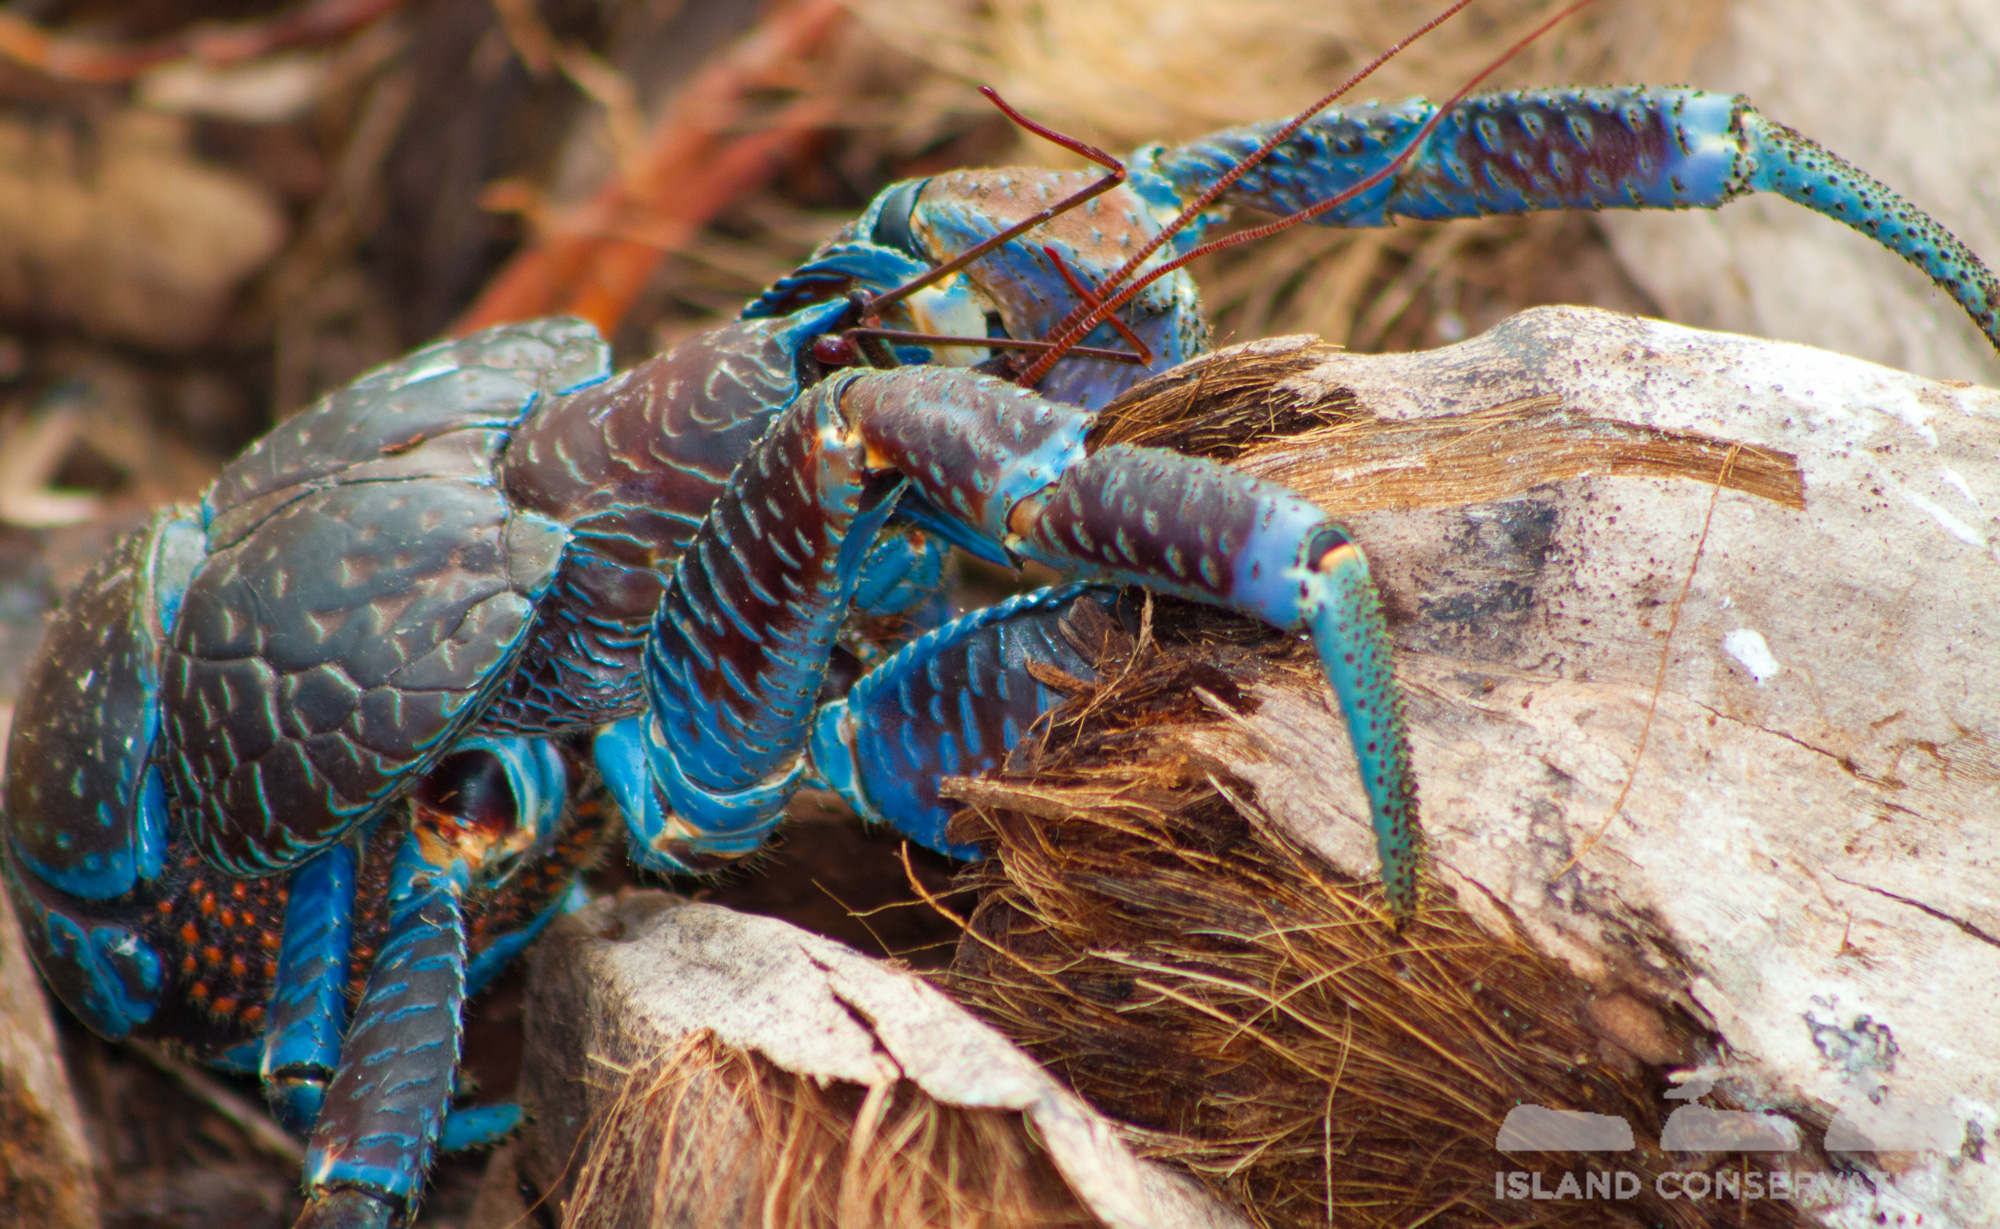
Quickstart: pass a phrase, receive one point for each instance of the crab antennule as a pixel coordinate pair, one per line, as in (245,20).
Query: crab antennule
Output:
(1141,356)
(1095,188)
(1142,352)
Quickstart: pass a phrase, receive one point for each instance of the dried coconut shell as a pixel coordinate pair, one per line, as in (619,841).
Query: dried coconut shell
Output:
(691,1065)
(1700,637)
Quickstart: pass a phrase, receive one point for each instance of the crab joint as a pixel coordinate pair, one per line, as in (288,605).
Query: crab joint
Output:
(1347,554)
(1024,517)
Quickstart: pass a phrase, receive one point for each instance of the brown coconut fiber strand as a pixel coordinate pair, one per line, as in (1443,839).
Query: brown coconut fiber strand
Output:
(1263,409)
(721,1126)
(1147,935)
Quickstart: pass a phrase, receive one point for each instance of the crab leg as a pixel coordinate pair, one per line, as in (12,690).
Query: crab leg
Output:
(309,1000)
(388,1100)
(1017,469)
(1519,150)
(387,1107)
(952,703)
(740,646)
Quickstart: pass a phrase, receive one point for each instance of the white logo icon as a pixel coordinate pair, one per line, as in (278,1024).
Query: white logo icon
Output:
(1862,1125)
(1697,1128)
(1537,1128)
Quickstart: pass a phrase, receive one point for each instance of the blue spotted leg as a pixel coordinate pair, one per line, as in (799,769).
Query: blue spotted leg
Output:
(741,642)
(309,1001)
(1512,151)
(1509,151)
(491,805)
(951,703)
(386,1106)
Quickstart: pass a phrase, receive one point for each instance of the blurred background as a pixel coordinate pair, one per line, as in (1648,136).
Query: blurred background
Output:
(213,212)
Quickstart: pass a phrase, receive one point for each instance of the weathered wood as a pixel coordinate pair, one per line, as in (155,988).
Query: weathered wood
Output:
(45,1159)
(1808,855)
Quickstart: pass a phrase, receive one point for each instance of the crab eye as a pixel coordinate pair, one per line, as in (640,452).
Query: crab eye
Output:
(469,790)
(835,350)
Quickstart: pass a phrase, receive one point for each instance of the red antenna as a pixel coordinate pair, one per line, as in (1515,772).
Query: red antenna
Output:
(1141,351)
(846,346)
(1085,318)
(1096,188)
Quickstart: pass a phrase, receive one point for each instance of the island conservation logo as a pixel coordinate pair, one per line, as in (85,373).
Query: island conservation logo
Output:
(1864,1124)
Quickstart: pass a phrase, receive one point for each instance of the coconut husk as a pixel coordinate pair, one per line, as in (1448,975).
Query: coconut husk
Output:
(692,1065)
(1204,976)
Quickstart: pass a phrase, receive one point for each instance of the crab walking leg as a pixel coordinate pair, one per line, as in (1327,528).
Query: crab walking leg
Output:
(309,1001)
(1345,613)
(740,645)
(373,1144)
(1513,151)
(387,1108)
(951,703)
(1018,470)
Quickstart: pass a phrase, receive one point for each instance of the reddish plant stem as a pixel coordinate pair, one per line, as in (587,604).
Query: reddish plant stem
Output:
(216,44)
(594,260)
